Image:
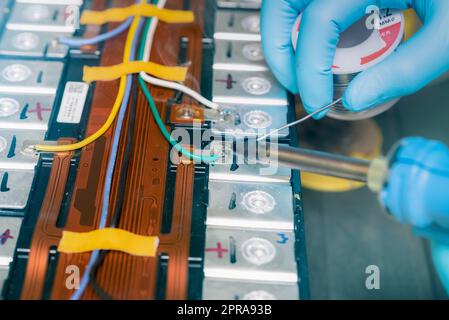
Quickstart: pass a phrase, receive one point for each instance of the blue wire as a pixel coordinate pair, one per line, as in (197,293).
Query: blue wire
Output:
(76,43)
(106,194)
(110,172)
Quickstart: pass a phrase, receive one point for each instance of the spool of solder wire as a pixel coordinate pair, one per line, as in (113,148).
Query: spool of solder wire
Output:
(363,45)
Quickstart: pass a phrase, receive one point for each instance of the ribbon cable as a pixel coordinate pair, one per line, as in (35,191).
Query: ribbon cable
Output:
(114,72)
(143,10)
(108,239)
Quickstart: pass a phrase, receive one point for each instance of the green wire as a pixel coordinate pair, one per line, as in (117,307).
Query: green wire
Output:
(156,116)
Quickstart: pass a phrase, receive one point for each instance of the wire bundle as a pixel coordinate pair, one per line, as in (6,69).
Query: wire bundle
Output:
(130,50)
(120,109)
(144,54)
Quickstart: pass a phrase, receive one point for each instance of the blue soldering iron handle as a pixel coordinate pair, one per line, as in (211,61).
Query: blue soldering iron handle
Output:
(417,193)
(417,189)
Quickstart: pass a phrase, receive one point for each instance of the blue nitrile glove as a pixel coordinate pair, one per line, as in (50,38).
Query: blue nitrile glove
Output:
(417,189)
(415,64)
(417,193)
(440,256)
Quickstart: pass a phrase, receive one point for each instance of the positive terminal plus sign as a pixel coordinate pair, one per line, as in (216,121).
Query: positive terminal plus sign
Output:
(5,236)
(219,250)
(229,81)
(39,111)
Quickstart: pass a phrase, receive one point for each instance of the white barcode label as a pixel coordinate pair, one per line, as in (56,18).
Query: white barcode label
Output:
(73,101)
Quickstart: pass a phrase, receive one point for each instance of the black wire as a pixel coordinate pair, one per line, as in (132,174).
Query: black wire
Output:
(120,197)
(99,291)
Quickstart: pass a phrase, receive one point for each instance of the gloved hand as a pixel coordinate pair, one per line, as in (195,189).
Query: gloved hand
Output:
(415,64)
(417,193)
(417,189)
(440,257)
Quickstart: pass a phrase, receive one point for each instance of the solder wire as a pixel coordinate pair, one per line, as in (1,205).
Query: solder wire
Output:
(115,108)
(134,32)
(152,104)
(307,117)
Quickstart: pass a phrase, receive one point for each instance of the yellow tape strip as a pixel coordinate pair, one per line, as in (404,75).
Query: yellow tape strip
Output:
(108,239)
(114,72)
(144,10)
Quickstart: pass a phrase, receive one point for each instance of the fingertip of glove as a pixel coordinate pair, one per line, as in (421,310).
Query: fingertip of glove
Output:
(320,115)
(311,110)
(359,96)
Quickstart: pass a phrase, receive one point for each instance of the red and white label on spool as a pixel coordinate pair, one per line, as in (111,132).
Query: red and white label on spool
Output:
(378,45)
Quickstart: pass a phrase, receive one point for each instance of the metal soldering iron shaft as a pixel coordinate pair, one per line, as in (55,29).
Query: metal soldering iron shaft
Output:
(320,162)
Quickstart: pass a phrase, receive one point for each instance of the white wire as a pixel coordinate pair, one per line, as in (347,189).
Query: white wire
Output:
(168,84)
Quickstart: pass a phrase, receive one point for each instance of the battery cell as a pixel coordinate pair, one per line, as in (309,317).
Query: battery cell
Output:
(14,151)
(237,25)
(33,77)
(3,277)
(3,11)
(15,188)
(239,4)
(250,255)
(250,205)
(251,121)
(231,168)
(239,56)
(43,17)
(33,44)
(254,88)
(246,290)
(9,232)
(30,112)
